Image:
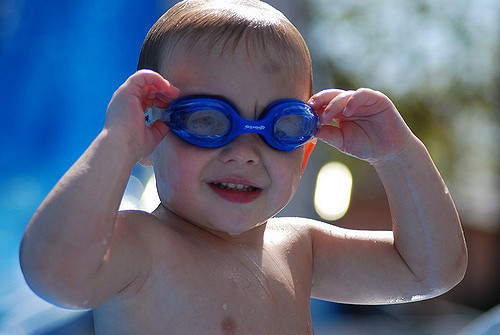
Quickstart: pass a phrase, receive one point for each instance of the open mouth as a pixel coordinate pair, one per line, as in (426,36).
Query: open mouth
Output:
(236,187)
(234,192)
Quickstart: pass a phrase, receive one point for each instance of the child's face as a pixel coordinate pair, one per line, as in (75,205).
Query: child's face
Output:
(239,186)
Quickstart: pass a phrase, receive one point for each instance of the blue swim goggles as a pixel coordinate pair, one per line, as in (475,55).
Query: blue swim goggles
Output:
(212,122)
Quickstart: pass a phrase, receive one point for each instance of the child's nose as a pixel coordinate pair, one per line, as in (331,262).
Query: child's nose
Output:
(245,148)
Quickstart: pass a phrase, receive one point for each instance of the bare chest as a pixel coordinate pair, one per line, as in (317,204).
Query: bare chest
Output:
(213,293)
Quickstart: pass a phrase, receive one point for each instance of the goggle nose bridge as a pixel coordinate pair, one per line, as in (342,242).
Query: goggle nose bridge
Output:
(244,126)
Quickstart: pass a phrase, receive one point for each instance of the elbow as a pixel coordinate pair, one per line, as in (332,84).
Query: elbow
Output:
(457,269)
(52,288)
(447,276)
(54,284)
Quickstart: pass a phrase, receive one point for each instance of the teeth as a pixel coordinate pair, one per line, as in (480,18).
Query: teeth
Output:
(236,187)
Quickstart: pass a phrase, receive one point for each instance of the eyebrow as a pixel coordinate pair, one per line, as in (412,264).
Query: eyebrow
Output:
(257,112)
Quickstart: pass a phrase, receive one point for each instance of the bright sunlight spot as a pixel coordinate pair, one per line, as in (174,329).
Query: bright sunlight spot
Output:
(139,197)
(132,194)
(333,191)
(150,199)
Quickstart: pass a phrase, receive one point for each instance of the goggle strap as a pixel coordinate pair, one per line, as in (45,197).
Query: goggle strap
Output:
(152,114)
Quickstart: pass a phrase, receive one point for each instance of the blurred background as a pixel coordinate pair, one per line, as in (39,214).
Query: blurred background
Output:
(60,63)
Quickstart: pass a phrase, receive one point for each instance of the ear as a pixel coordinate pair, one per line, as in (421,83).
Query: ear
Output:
(146,161)
(309,146)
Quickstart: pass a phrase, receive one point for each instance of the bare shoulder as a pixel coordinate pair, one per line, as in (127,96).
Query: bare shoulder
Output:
(307,228)
(289,226)
(292,232)
(137,238)
(147,226)
(145,231)
(160,235)
(135,230)
(141,223)
(314,228)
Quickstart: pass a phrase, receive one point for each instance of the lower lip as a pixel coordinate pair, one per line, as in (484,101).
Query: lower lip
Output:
(240,197)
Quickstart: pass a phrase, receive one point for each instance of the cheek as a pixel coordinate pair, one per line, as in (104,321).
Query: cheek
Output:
(176,169)
(287,172)
(163,172)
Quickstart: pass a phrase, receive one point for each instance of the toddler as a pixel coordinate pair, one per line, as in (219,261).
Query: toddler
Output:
(233,126)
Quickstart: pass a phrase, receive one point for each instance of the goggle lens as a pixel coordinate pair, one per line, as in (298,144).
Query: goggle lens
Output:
(289,127)
(207,123)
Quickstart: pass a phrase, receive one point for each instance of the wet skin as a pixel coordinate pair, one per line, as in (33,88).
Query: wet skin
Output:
(210,259)
(218,265)
(216,284)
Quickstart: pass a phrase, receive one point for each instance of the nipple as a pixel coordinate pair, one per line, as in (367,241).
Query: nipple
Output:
(228,325)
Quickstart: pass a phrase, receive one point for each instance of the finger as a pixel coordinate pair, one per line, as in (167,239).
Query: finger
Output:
(158,99)
(144,82)
(366,101)
(145,78)
(331,135)
(323,98)
(336,107)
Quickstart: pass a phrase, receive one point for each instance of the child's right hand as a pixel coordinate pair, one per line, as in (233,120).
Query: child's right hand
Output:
(125,114)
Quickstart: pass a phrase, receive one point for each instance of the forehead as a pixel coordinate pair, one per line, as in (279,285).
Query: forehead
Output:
(236,73)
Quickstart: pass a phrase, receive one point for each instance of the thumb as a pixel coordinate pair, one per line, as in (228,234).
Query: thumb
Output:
(158,131)
(154,135)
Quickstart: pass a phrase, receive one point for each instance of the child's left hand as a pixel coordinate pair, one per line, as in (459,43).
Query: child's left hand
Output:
(369,125)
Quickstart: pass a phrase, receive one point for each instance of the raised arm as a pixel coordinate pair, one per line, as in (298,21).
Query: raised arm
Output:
(77,251)
(425,254)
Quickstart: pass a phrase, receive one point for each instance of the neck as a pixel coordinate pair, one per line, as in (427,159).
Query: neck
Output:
(250,238)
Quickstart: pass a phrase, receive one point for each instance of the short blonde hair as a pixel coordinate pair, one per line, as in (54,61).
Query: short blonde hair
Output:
(228,24)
